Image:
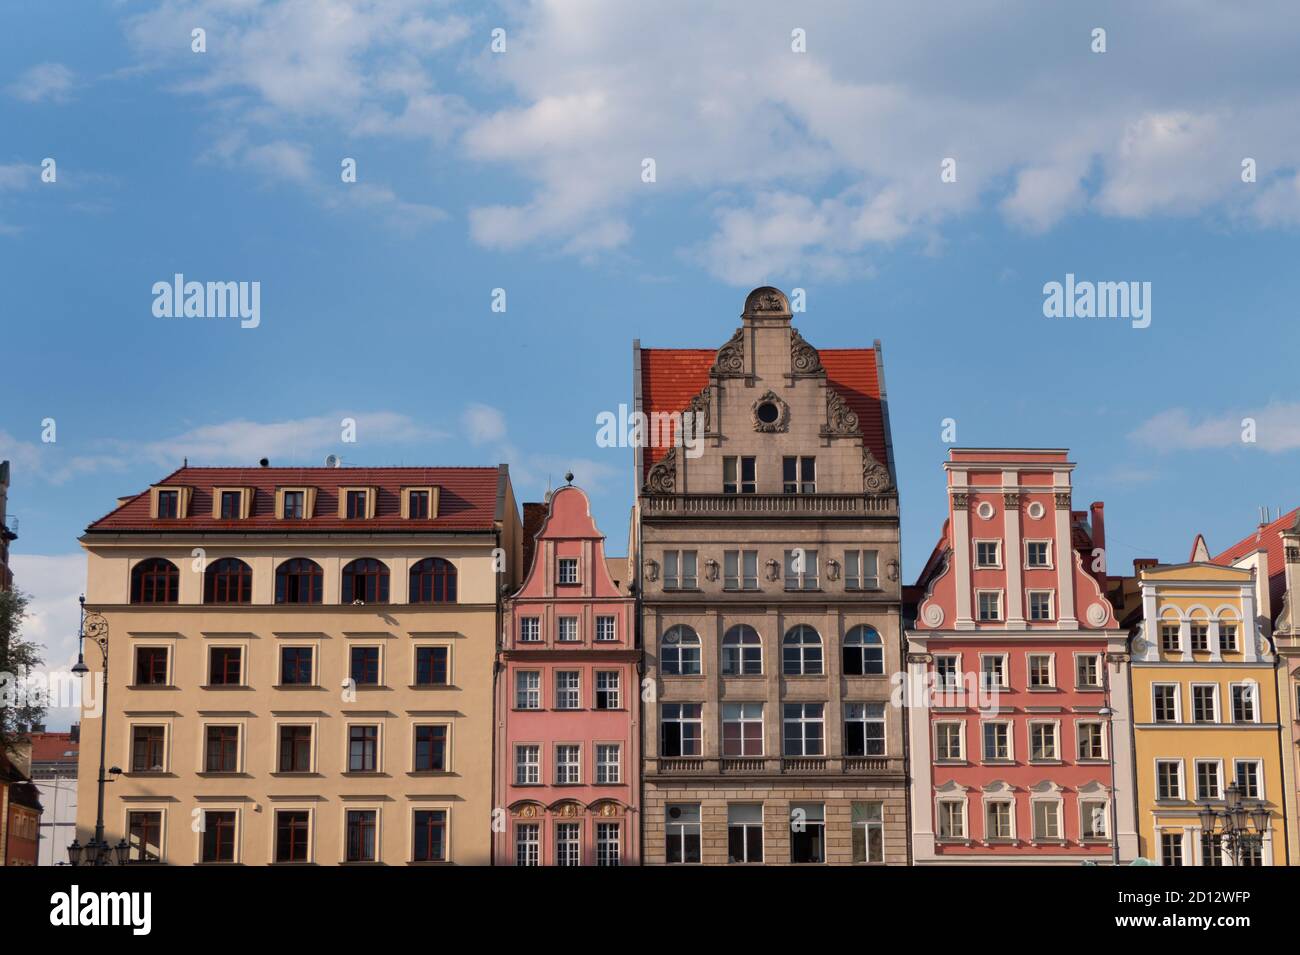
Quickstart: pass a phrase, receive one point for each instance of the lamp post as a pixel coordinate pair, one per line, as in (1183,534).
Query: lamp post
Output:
(97,851)
(1235,821)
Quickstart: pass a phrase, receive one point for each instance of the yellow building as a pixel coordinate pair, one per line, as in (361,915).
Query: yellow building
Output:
(1205,716)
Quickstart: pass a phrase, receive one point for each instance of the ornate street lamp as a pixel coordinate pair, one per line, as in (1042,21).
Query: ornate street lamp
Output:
(1242,824)
(97,851)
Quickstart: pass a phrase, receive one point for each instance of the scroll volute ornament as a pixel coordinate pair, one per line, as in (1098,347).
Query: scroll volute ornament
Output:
(875,476)
(730,360)
(663,474)
(840,418)
(804,359)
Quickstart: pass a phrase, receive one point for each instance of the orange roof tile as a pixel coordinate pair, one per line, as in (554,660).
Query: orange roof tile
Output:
(1267,537)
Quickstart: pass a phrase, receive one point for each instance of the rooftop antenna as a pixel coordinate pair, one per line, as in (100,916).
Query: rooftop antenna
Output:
(333,461)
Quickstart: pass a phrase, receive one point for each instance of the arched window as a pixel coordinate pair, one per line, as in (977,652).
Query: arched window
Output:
(864,654)
(679,654)
(228,581)
(433,581)
(742,651)
(365,580)
(155,581)
(298,581)
(801,652)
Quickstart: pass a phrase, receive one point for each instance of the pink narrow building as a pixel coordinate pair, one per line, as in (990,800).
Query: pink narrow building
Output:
(568,776)
(1017,675)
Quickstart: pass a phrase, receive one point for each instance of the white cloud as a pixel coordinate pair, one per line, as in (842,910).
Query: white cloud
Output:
(45,81)
(483,424)
(1276,429)
(532,473)
(52,462)
(53,584)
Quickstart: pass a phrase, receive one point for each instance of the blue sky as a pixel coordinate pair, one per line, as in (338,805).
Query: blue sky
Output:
(522,170)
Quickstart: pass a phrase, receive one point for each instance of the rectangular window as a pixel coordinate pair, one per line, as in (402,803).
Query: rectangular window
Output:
(609,685)
(218,835)
(1047,819)
(356,505)
(1243,702)
(429,827)
(567,844)
(952,819)
(807,833)
(292,828)
(1087,671)
(744,832)
(230,505)
(799,475)
(608,844)
(988,554)
(568,630)
(681,729)
(528,844)
(990,605)
(148,749)
(1205,703)
(1211,849)
(361,828)
(679,570)
(225,666)
(868,835)
(998,820)
(221,744)
(1043,742)
(1040,605)
(295,749)
(861,570)
(1200,636)
(169,504)
(738,475)
(568,759)
(363,749)
(1171,848)
(528,690)
(947,741)
(1091,741)
(682,833)
(1038,554)
(1093,818)
(1249,778)
(946,673)
(150,666)
(1164,702)
(740,569)
(742,729)
(1169,779)
(296,666)
(568,571)
(431,666)
(1227,638)
(528,764)
(530,630)
(609,764)
(997,741)
(804,729)
(1041,672)
(1171,640)
(417,504)
(864,729)
(993,671)
(144,835)
(293,504)
(431,749)
(801,569)
(606,629)
(365,666)
(1208,782)
(568,691)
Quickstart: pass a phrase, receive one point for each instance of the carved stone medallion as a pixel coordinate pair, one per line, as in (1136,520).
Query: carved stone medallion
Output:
(770,414)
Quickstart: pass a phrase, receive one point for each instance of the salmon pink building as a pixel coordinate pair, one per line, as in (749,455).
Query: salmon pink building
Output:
(567,755)
(1019,718)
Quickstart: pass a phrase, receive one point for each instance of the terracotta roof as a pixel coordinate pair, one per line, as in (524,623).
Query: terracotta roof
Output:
(671,377)
(467,499)
(53,747)
(1267,537)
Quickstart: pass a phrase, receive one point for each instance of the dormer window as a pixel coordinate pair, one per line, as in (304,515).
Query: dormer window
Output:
(294,505)
(169,504)
(419,503)
(356,505)
(231,505)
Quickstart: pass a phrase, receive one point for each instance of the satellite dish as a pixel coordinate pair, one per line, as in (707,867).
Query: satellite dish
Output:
(333,461)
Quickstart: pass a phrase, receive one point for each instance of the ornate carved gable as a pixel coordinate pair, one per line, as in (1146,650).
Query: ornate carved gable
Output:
(663,476)
(804,359)
(840,418)
(730,361)
(875,476)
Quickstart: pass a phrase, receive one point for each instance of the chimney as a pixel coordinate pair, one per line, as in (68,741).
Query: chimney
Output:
(1143,563)
(1096,512)
(74,733)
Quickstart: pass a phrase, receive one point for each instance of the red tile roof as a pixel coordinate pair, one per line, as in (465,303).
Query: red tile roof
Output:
(671,377)
(1267,537)
(467,499)
(53,747)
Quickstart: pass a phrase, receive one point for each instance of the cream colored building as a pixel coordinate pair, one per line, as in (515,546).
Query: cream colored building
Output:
(301,664)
